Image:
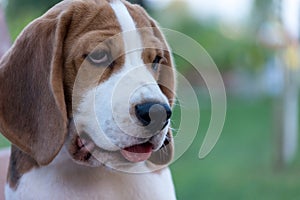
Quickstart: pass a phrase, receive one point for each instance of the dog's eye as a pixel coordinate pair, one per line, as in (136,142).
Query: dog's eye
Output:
(156,62)
(99,57)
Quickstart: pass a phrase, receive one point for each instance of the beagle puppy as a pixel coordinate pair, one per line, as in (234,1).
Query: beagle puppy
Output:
(86,97)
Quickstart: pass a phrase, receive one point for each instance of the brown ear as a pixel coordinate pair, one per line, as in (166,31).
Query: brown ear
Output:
(32,106)
(167,85)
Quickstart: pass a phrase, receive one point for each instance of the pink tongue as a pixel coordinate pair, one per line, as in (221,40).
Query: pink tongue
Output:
(137,153)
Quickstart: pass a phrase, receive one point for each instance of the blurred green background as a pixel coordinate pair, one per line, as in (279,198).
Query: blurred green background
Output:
(254,51)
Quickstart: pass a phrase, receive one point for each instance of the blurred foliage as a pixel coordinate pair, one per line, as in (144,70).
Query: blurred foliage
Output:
(3,141)
(20,12)
(17,7)
(229,46)
(262,11)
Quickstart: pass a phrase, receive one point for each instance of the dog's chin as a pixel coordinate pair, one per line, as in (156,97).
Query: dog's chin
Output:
(84,151)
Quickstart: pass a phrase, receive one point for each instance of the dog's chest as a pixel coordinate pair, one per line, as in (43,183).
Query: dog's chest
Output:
(61,182)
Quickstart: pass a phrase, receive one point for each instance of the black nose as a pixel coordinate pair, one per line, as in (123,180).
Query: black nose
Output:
(154,115)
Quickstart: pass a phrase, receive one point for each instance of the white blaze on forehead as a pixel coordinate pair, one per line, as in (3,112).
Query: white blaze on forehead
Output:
(131,37)
(135,80)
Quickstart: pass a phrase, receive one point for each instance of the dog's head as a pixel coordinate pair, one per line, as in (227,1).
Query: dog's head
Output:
(96,76)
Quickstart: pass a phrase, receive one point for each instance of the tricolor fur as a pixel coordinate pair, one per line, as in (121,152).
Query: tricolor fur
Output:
(69,112)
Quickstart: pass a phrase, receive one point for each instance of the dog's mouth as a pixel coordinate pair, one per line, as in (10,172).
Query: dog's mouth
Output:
(85,147)
(137,153)
(84,143)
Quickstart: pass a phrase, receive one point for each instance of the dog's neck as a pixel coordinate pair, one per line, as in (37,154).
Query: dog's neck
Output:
(63,176)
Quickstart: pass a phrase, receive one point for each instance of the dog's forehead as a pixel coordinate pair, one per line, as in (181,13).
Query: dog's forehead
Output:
(108,15)
(136,24)
(131,37)
(95,21)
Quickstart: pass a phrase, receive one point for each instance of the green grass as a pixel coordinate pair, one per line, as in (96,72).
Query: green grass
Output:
(241,166)
(16,23)
(3,141)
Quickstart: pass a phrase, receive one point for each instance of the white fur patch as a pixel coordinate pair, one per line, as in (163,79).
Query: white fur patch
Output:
(64,179)
(131,37)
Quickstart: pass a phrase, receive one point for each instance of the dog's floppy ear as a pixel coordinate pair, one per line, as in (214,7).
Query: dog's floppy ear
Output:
(32,105)
(167,85)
